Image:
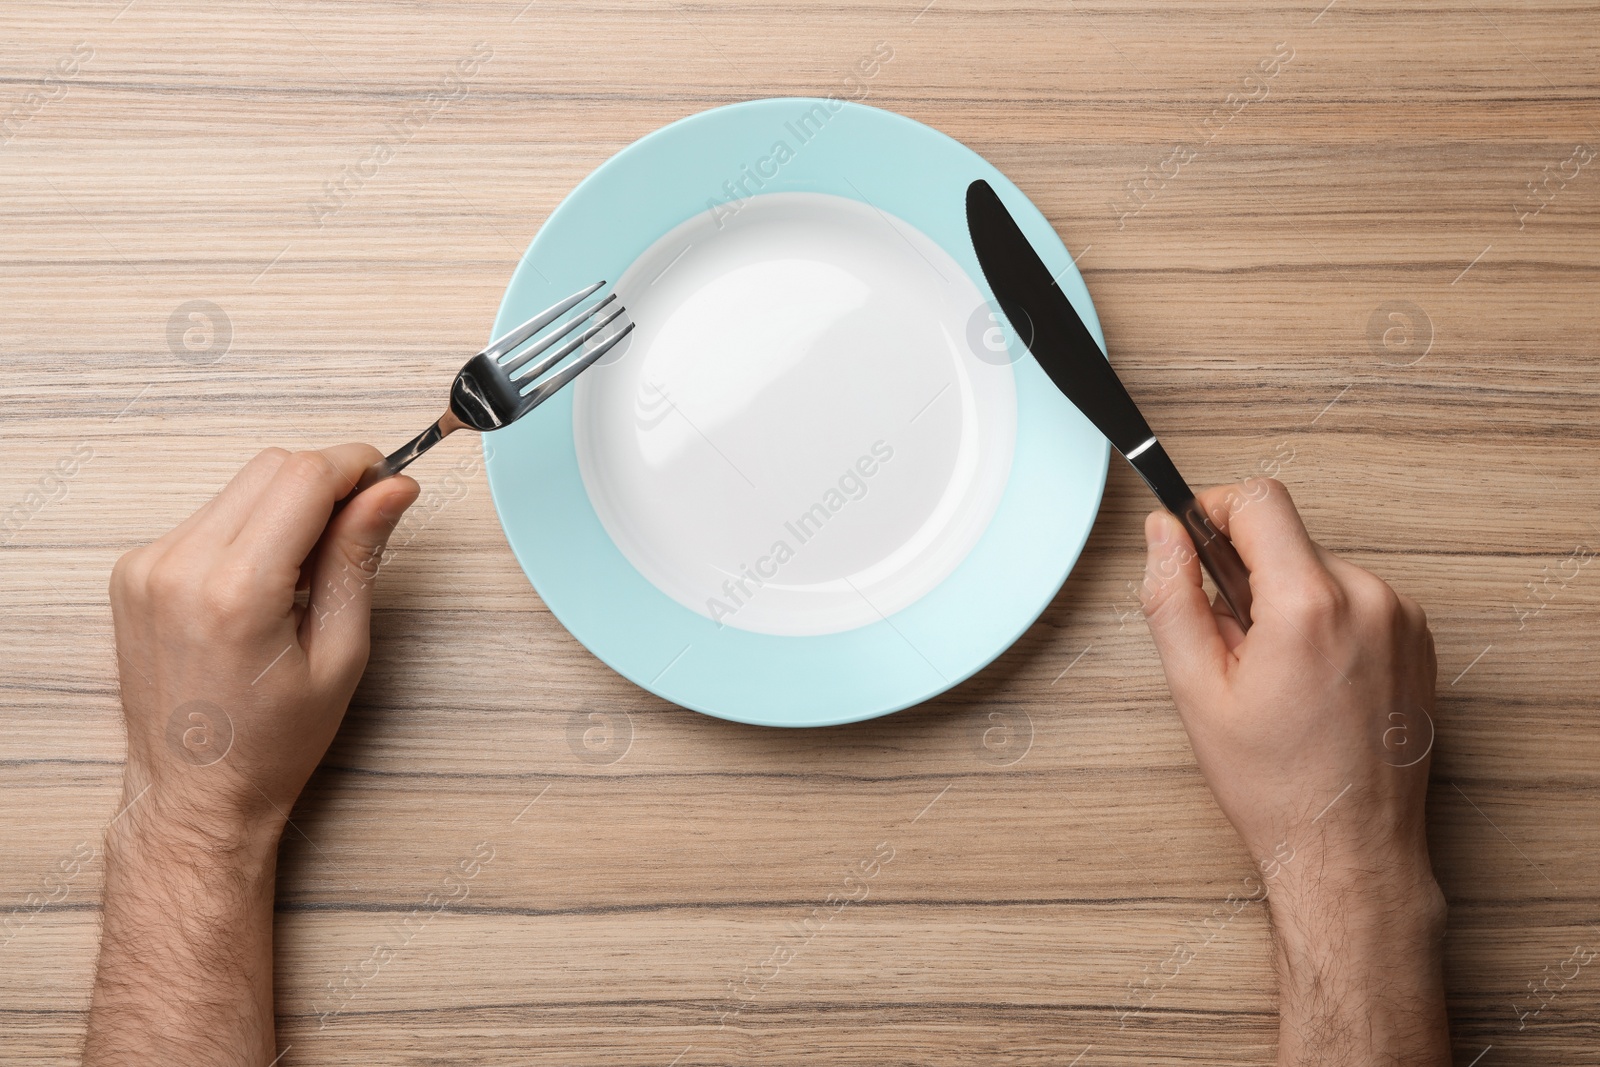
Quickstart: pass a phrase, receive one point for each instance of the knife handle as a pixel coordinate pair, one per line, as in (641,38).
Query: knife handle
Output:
(1217,554)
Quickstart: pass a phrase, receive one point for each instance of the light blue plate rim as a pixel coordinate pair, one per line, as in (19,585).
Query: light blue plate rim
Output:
(909,171)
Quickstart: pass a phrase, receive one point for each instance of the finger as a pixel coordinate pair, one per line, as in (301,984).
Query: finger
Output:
(1415,617)
(290,514)
(343,569)
(1181,621)
(302,593)
(1351,576)
(231,507)
(1339,567)
(1227,623)
(1433,667)
(220,516)
(1261,521)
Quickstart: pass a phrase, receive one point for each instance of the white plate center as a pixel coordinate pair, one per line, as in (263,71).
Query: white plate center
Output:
(799,437)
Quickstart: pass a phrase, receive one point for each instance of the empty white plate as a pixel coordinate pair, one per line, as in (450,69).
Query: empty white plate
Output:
(798,439)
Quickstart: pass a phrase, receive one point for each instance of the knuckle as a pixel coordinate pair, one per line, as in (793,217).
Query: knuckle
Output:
(1375,601)
(1318,597)
(128,574)
(168,582)
(264,465)
(307,469)
(1157,599)
(364,558)
(1413,611)
(1154,603)
(350,582)
(1265,487)
(228,593)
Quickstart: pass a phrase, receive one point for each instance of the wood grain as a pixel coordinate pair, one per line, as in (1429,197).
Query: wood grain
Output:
(1389,162)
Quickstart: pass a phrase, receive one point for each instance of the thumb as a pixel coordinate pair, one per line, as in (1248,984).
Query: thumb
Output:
(1175,605)
(344,567)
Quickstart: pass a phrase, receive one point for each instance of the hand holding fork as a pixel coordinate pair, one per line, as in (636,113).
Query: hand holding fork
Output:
(499,385)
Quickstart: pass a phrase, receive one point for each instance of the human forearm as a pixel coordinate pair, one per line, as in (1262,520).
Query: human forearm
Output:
(1359,957)
(185,973)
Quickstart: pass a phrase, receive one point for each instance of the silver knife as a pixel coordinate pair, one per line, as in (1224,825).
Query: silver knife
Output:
(1045,319)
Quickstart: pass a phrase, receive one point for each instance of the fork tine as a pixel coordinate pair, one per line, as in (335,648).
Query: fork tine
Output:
(553,384)
(517,362)
(565,350)
(512,338)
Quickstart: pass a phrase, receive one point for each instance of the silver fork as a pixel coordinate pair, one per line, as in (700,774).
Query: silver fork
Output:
(498,386)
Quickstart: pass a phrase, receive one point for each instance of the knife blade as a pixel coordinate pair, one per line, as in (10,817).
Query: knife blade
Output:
(1049,325)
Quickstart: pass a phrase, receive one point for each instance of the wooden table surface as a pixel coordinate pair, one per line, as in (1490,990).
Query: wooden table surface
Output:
(1373,268)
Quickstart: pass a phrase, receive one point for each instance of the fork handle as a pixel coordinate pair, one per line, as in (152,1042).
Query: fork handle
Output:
(401,458)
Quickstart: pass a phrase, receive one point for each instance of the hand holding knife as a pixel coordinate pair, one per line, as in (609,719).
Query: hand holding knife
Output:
(1049,325)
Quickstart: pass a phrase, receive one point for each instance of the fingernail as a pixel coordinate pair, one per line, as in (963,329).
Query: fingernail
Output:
(394,505)
(1163,529)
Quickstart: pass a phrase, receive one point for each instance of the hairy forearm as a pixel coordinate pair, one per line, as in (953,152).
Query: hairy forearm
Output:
(185,972)
(1360,973)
